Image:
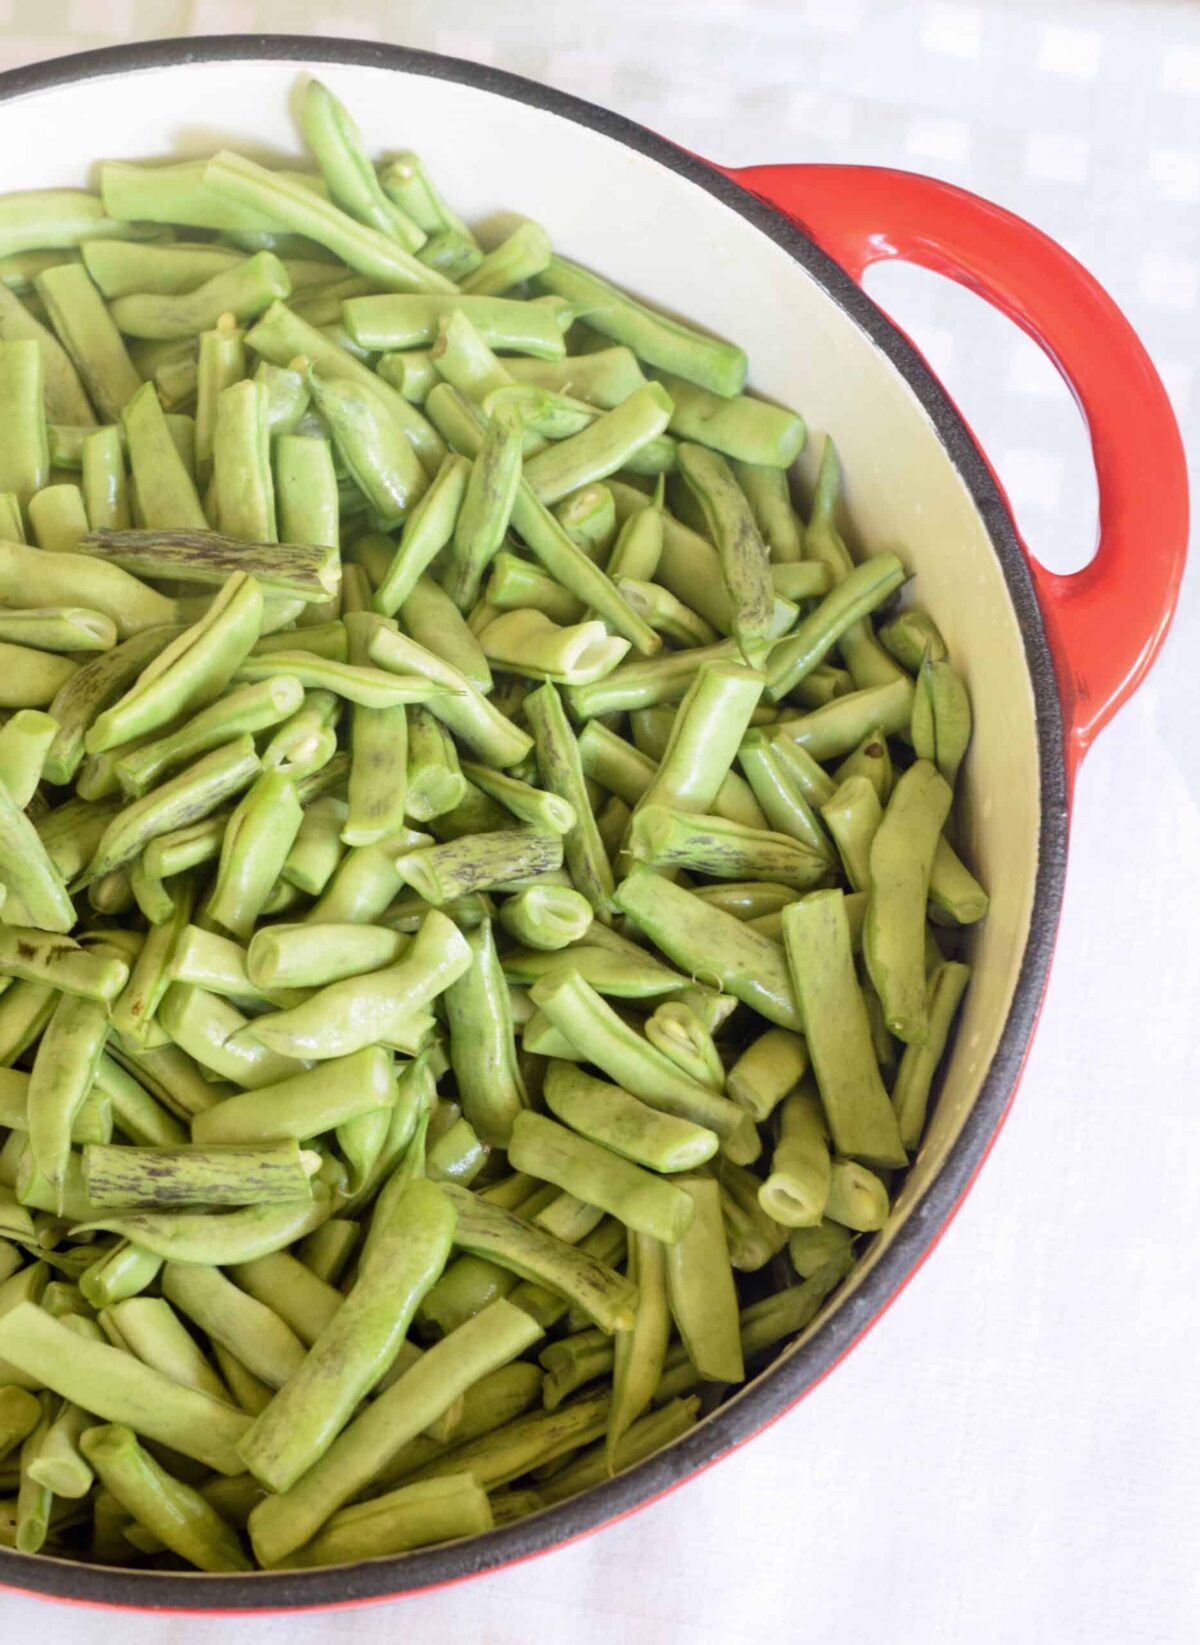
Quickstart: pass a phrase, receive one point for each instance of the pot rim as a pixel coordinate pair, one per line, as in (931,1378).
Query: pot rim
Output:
(781,1386)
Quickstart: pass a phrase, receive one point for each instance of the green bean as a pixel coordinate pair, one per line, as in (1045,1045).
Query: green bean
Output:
(243,290)
(305,1105)
(812,1248)
(482,1049)
(742,553)
(700,1287)
(433,780)
(941,718)
(461,357)
(605,378)
(24,743)
(680,1034)
(250,1393)
(690,567)
(62,1075)
(635,1196)
(115,1386)
(120,268)
(850,600)
(249,1329)
(63,398)
(370,687)
(626,974)
(955,895)
(125,1272)
(610,1116)
(901,859)
(42,218)
(663,836)
(525,253)
(665,614)
(766,488)
(910,637)
(488,1231)
(801,580)
(769,1068)
(175,1513)
(797,1188)
(601,1037)
(357,1345)
(243,487)
(166,494)
(834,730)
(602,448)
(281,336)
(208,1029)
(239,1174)
(426,532)
(89,336)
(192,795)
(331,133)
(659,341)
(317,849)
(150,1328)
(20,1414)
(328,1249)
(860,1117)
(411,372)
(401,322)
(221,364)
(34,1500)
(287,403)
(853,815)
(431,618)
(781,794)
(871,759)
(478,862)
(910,1093)
(281,1523)
(406,182)
(25,460)
(709,943)
(346,1016)
(93,1122)
(486,509)
(589,518)
(516,585)
(857,1198)
(251,708)
(561,770)
(189,673)
(373,446)
(752,431)
(283,200)
(32,679)
(528,640)
(546,917)
(61,962)
(572,1362)
(435,1510)
(548,542)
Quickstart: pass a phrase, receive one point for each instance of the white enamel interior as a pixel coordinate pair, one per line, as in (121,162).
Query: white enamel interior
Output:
(673,243)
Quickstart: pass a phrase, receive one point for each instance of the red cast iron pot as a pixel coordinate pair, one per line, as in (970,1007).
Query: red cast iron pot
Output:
(773,256)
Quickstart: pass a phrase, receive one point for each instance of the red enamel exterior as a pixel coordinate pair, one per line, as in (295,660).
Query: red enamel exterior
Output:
(1106,623)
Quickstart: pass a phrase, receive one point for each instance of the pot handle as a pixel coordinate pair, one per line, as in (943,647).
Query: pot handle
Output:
(1107,622)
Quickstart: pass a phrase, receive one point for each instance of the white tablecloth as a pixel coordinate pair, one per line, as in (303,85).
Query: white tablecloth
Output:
(1011,1456)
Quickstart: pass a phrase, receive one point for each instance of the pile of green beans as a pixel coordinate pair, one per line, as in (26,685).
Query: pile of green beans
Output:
(478,866)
